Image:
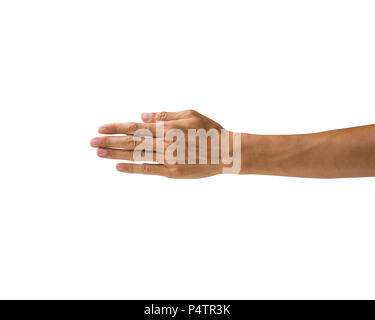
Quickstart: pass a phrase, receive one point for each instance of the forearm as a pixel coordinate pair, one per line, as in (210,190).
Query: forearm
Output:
(331,154)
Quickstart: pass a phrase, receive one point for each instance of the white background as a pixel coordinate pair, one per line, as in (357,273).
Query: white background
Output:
(71,226)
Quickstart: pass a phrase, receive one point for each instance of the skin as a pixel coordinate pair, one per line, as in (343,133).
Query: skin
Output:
(332,154)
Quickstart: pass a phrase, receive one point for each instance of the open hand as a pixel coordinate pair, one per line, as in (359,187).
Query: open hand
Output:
(147,133)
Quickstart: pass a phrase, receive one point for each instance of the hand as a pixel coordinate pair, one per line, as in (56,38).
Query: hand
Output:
(123,147)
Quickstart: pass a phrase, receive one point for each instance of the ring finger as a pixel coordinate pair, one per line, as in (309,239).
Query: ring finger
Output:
(129,155)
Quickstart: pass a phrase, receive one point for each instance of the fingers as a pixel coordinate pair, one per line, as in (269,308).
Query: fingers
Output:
(140,129)
(167,116)
(130,128)
(125,155)
(123,142)
(145,168)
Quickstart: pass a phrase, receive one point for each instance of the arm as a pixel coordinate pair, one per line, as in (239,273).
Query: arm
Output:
(332,154)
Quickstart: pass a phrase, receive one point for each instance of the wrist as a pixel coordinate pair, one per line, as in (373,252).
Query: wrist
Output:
(265,154)
(249,153)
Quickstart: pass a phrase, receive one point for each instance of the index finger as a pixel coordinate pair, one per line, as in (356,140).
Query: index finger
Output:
(129,128)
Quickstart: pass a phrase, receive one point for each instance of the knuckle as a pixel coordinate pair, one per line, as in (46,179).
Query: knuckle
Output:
(146,169)
(191,112)
(129,142)
(104,142)
(161,116)
(198,122)
(133,126)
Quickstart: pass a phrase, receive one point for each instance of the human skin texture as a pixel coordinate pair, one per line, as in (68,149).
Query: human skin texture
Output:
(339,153)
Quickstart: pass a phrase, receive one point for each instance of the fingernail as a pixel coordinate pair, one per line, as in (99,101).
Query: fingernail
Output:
(95,142)
(103,130)
(102,152)
(121,166)
(147,116)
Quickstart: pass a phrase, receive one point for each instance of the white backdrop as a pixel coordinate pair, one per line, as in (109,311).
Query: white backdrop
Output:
(71,226)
